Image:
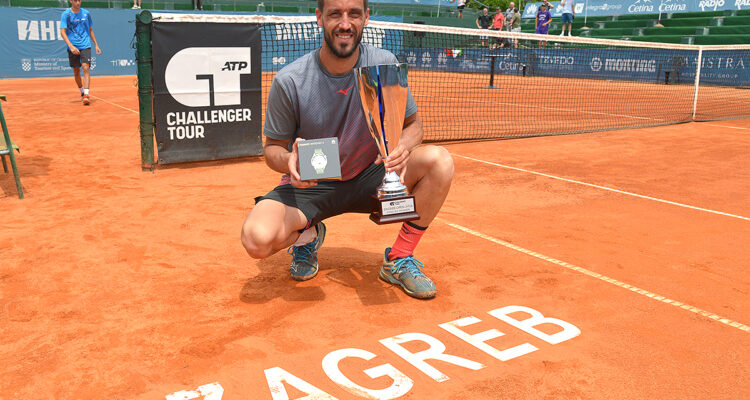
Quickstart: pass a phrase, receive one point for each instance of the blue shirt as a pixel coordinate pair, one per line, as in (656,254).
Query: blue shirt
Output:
(77,26)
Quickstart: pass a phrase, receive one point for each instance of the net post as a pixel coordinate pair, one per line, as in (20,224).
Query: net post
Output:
(697,80)
(145,90)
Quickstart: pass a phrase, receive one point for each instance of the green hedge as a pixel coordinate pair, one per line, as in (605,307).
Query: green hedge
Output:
(698,14)
(676,30)
(729,30)
(637,16)
(738,20)
(659,38)
(722,39)
(627,24)
(694,22)
(600,32)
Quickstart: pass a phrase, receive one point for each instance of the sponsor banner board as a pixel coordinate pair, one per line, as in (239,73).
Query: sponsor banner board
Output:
(725,67)
(594,8)
(207,90)
(33,47)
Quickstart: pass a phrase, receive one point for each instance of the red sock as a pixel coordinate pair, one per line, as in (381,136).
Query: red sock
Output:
(407,240)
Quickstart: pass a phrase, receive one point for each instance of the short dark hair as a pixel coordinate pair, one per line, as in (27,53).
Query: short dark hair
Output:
(515,10)
(321,3)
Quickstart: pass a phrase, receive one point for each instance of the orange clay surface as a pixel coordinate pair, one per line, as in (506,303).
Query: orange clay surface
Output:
(122,284)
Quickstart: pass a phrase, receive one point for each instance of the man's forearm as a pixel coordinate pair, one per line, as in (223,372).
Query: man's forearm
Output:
(412,134)
(277,158)
(65,38)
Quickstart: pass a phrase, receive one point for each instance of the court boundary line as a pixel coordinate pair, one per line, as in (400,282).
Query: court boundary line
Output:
(725,126)
(707,314)
(606,188)
(114,104)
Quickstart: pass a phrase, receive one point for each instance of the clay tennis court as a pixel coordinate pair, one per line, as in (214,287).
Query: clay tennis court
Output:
(596,266)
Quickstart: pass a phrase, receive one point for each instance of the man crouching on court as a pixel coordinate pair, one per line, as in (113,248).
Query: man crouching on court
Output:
(315,97)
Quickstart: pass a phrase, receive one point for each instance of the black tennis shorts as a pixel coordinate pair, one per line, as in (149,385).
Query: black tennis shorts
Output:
(328,199)
(75,60)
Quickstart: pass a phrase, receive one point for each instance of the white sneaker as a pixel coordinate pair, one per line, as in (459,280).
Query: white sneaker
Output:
(569,34)
(562,33)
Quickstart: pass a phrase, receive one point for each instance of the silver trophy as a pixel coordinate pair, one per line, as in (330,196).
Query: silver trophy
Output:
(383,90)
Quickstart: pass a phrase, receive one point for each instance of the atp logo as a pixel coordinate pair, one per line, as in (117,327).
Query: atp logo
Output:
(234,66)
(207,76)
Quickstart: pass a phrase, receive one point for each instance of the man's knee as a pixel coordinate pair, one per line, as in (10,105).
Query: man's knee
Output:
(85,68)
(258,240)
(439,162)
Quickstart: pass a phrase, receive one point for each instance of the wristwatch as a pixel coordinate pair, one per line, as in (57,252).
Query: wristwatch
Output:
(319,161)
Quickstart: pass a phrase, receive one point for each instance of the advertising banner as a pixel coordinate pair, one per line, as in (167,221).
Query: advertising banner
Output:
(725,67)
(207,90)
(630,7)
(33,47)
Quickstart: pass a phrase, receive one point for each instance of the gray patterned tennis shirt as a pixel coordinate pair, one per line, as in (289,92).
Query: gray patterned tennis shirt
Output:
(307,101)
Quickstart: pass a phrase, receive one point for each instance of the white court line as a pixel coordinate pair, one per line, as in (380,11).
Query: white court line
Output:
(725,126)
(114,104)
(635,289)
(606,188)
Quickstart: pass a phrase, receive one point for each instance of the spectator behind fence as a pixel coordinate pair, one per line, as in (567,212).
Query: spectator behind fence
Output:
(484,21)
(497,25)
(568,14)
(543,19)
(509,14)
(515,25)
(460,7)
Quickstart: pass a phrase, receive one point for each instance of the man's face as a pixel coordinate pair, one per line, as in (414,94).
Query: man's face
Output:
(512,5)
(75,3)
(343,22)
(485,11)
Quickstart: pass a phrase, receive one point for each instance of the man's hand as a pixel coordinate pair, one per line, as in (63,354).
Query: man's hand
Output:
(98,50)
(294,168)
(74,50)
(396,161)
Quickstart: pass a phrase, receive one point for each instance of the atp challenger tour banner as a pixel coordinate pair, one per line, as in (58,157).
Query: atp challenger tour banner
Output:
(630,7)
(207,90)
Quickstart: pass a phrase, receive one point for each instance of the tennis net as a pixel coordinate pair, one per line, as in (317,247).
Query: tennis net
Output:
(478,84)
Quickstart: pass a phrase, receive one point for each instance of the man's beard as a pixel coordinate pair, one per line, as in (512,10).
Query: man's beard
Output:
(339,53)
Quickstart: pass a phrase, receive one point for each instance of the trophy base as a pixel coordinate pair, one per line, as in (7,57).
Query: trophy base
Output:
(394,209)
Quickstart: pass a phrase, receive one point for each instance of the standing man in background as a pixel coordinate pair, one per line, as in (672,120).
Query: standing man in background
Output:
(77,29)
(515,25)
(460,6)
(509,15)
(484,21)
(568,13)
